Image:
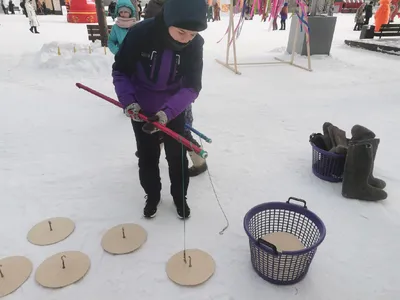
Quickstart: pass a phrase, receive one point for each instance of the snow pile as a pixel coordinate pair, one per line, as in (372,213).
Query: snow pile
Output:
(69,59)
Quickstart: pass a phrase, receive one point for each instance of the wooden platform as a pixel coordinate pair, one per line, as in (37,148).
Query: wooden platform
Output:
(388,46)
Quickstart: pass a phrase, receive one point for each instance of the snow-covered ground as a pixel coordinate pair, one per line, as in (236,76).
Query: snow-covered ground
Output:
(64,152)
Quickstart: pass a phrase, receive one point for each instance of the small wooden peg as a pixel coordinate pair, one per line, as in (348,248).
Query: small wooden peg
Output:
(63,262)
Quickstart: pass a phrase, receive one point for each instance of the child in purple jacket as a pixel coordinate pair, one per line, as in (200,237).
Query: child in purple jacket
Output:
(158,72)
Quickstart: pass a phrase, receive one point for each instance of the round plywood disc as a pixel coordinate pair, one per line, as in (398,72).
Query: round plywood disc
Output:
(124,238)
(14,271)
(199,267)
(51,231)
(284,241)
(62,269)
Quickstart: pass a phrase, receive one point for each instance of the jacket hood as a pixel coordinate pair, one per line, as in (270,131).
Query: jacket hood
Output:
(125,3)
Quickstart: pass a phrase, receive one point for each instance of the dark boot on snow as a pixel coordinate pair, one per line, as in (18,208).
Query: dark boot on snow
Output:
(182,209)
(325,136)
(150,209)
(360,133)
(357,170)
(376,182)
(338,139)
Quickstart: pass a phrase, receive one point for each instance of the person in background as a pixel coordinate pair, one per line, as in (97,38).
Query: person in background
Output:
(158,72)
(33,21)
(154,7)
(22,4)
(124,14)
(4,7)
(111,9)
(210,14)
(217,9)
(284,14)
(368,12)
(11,7)
(359,17)
(139,10)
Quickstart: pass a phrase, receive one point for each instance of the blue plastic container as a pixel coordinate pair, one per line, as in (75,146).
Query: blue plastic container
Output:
(327,165)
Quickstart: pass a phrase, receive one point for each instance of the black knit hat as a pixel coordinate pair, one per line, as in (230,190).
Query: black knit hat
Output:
(186,14)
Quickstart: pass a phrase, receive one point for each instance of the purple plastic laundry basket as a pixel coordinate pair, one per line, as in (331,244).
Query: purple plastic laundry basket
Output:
(326,165)
(286,267)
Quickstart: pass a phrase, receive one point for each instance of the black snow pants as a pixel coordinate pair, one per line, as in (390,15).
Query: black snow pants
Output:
(149,157)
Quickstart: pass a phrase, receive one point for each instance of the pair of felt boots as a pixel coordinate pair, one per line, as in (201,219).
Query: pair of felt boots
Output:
(358,179)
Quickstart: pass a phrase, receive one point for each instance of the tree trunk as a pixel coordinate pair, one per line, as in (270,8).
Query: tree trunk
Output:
(101,17)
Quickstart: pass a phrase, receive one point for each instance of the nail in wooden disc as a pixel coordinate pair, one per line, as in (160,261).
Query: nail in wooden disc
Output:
(14,271)
(124,238)
(199,267)
(51,231)
(63,269)
(284,241)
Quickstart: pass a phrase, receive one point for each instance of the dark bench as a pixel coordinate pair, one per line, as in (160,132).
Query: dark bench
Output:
(368,31)
(94,32)
(388,30)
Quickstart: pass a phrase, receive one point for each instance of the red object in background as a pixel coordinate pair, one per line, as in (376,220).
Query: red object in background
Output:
(396,11)
(82,11)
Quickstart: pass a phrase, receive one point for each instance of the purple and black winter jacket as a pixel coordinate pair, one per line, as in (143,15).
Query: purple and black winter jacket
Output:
(157,78)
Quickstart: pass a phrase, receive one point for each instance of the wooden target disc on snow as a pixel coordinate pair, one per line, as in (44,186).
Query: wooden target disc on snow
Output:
(124,238)
(14,271)
(198,268)
(62,269)
(51,231)
(284,241)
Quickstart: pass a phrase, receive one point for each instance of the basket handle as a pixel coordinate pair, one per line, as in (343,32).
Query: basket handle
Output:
(299,200)
(268,244)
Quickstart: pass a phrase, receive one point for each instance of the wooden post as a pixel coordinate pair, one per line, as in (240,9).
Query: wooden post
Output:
(228,43)
(232,25)
(296,36)
(101,17)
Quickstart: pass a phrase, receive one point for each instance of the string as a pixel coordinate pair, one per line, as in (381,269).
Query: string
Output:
(183,204)
(216,197)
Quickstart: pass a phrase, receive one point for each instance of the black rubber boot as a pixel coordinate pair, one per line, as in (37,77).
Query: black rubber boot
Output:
(357,170)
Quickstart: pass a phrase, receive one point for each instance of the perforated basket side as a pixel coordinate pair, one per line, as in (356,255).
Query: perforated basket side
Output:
(326,165)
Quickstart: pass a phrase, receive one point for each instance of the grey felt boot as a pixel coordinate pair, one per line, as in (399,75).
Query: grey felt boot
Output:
(327,140)
(357,170)
(338,139)
(376,182)
(360,133)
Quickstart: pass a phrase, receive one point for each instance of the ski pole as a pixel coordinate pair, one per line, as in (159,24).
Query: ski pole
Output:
(201,135)
(81,86)
(163,128)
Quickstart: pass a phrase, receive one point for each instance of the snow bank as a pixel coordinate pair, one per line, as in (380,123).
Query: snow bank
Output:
(69,59)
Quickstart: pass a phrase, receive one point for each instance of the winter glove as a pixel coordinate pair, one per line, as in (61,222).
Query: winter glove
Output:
(132,111)
(159,117)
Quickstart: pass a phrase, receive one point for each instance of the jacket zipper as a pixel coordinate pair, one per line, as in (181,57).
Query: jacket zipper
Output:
(176,64)
(153,59)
